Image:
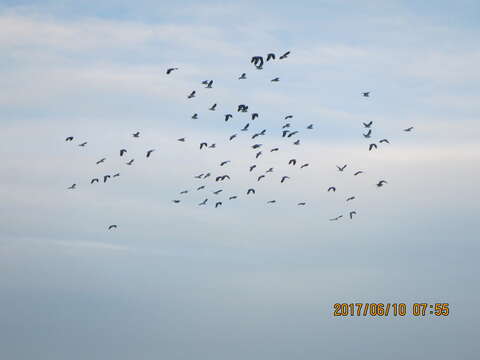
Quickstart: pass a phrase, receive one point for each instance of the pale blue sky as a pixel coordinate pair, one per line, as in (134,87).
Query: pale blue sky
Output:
(245,281)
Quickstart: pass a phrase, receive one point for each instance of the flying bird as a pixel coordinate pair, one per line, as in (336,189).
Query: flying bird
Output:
(284,178)
(331,188)
(296,142)
(232,197)
(284,56)
(310,127)
(304,165)
(93,180)
(256,146)
(250,191)
(288,117)
(212,146)
(358,173)
(209,84)
(245,128)
(83,144)
(70,138)
(195,116)
(199,176)
(201,187)
(73,186)
(122,151)
(176,201)
(271,201)
(149,152)
(192,95)
(408,129)
(367,125)
(254,116)
(372,146)
(217,192)
(293,133)
(213,107)
(301,203)
(260,177)
(367,135)
(269,170)
(384,141)
(252,167)
(181,139)
(270,56)
(352,213)
(224,162)
(170,70)
(242,108)
(101,161)
(366,94)
(204,202)
(381,182)
(336,218)
(285,132)
(274,149)
(184,192)
(136,135)
(130,162)
(258,155)
(233,137)
(110,227)
(341,168)
(116,175)
(217,204)
(292,162)
(105,178)
(228,116)
(243,76)
(350,198)
(275,79)
(203,144)
(257,61)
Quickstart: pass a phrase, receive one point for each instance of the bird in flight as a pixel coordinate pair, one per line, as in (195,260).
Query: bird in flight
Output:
(181,139)
(212,146)
(217,192)
(254,116)
(245,128)
(243,76)
(73,186)
(296,142)
(304,165)
(122,151)
(292,162)
(70,138)
(274,149)
(83,144)
(258,155)
(130,162)
(310,127)
(257,61)
(252,167)
(232,197)
(350,198)
(170,70)
(213,107)
(301,203)
(136,135)
(176,201)
(384,141)
(105,178)
(217,204)
(250,191)
(381,182)
(101,161)
(275,79)
(331,188)
(284,178)
(192,95)
(209,84)
(288,117)
(284,56)
(352,213)
(366,94)
(195,116)
(149,152)
(222,177)
(292,133)
(184,192)
(367,125)
(228,116)
(336,218)
(242,108)
(270,56)
(372,146)
(367,135)
(358,173)
(271,201)
(94,180)
(256,146)
(203,144)
(201,187)
(204,202)
(341,168)
(233,137)
(408,129)
(224,162)
(260,177)
(110,227)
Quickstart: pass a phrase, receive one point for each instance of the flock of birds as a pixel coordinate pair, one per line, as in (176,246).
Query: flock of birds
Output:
(287,132)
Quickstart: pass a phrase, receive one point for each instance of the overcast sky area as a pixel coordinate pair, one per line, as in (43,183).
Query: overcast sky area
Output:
(246,280)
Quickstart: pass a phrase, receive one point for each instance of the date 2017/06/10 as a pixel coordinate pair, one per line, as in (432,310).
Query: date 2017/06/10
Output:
(392,309)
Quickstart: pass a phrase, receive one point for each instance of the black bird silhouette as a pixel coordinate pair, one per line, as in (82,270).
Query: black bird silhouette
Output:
(83,144)
(224,162)
(222,177)
(213,107)
(199,176)
(367,125)
(122,151)
(149,152)
(260,177)
(367,135)
(209,84)
(256,146)
(296,142)
(384,141)
(254,116)
(366,94)
(242,108)
(201,187)
(304,165)
(181,139)
(245,128)
(252,167)
(195,116)
(287,125)
(341,168)
(381,182)
(101,161)
(352,213)
(292,162)
(170,70)
(257,61)
(258,155)
(310,127)
(358,173)
(408,129)
(262,132)
(284,56)
(116,175)
(269,170)
(217,192)
(212,146)
(270,56)
(110,227)
(93,180)
(271,201)
(293,133)
(372,146)
(203,144)
(255,135)
(274,149)
(288,117)
(233,137)
(275,79)
(228,116)
(302,203)
(250,191)
(336,218)
(192,94)
(207,175)
(217,204)
(285,132)
(284,178)
(184,192)
(176,201)
(243,76)
(204,202)
(70,138)
(332,188)
(350,198)
(130,162)
(136,135)
(73,186)
(232,197)
(105,178)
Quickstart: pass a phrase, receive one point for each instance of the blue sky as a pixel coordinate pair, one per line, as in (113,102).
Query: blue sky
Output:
(247,280)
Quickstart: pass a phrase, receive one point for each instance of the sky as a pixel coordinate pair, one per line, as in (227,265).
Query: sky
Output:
(247,280)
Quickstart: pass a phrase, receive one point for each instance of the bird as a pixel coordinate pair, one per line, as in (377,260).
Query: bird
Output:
(198,176)
(242,108)
(232,197)
(170,70)
(217,204)
(257,61)
(116,175)
(250,191)
(192,94)
(73,186)
(183,192)
(288,117)
(212,108)
(260,177)
(336,218)
(292,162)
(408,129)
(352,213)
(181,139)
(217,192)
(367,135)
(341,168)
(110,227)
(384,141)
(176,201)
(269,170)
(274,149)
(332,188)
(222,177)
(201,187)
(285,132)
(270,56)
(243,76)
(287,125)
(284,178)
(367,125)
(255,135)
(122,151)
(83,144)
(358,173)
(101,161)
(70,138)
(207,175)
(256,146)
(245,128)
(233,137)
(136,135)
(252,167)
(228,116)
(372,146)
(203,144)
(204,202)
(271,201)
(105,178)
(366,94)
(209,84)
(258,155)
(195,116)
(304,165)
(130,162)
(212,146)
(93,180)
(301,204)
(381,182)
(149,152)
(296,142)
(224,162)
(275,79)
(350,198)
(262,132)
(310,127)
(292,133)
(284,56)
(254,116)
